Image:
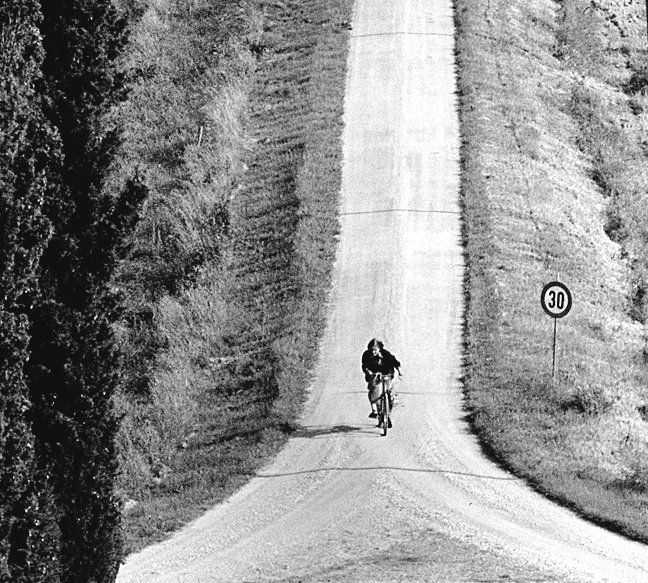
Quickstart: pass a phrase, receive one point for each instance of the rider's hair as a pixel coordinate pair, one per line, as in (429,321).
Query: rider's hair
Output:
(374,342)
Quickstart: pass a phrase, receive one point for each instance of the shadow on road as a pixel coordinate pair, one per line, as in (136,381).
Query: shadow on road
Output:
(315,431)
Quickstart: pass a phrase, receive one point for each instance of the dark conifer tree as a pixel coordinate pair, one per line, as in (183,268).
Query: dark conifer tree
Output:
(74,365)
(28,152)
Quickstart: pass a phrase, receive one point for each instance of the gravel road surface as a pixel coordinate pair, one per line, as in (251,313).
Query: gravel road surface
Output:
(342,503)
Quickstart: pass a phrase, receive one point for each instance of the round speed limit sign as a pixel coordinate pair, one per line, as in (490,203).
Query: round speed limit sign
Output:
(556,299)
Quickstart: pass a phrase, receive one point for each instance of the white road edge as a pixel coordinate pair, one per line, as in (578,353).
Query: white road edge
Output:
(340,502)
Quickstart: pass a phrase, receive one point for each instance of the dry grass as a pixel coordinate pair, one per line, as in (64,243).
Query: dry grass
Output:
(549,135)
(243,158)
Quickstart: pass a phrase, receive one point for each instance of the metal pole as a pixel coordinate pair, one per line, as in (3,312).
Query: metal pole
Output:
(554,360)
(555,342)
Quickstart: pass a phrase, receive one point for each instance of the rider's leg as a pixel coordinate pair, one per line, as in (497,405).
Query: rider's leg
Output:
(393,393)
(374,407)
(390,393)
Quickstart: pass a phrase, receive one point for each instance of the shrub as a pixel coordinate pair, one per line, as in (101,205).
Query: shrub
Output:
(73,367)
(28,149)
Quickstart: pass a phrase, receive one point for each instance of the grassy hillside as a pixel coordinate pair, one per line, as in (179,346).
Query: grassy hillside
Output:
(234,124)
(553,112)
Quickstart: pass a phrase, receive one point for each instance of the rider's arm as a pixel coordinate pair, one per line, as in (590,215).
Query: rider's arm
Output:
(394,361)
(365,364)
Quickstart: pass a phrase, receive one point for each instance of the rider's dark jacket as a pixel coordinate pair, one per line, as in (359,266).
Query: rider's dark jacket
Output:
(384,362)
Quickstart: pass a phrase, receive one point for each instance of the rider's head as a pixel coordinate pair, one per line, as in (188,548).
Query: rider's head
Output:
(374,346)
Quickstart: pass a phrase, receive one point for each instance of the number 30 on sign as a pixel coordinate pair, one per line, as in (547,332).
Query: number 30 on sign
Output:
(556,299)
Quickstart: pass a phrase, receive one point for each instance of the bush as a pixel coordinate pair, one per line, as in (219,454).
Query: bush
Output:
(73,366)
(28,149)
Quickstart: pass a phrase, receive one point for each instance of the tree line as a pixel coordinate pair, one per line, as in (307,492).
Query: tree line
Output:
(62,234)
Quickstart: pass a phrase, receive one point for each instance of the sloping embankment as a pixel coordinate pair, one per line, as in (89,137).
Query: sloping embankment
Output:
(552,112)
(249,201)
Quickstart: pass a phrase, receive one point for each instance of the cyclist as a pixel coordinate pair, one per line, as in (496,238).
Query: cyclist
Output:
(377,359)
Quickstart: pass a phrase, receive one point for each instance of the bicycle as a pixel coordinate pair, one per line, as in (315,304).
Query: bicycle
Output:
(384,404)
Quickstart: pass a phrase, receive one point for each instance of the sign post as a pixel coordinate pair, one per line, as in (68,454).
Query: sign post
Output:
(556,301)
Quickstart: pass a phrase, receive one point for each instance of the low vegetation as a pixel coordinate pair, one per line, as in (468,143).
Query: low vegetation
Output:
(234,125)
(553,112)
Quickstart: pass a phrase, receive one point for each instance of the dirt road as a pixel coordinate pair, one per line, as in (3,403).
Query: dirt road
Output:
(342,503)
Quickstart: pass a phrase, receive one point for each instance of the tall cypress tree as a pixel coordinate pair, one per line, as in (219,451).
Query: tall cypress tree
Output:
(74,365)
(28,151)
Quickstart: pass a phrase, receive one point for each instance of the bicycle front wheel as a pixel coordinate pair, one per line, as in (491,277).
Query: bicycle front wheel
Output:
(384,406)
